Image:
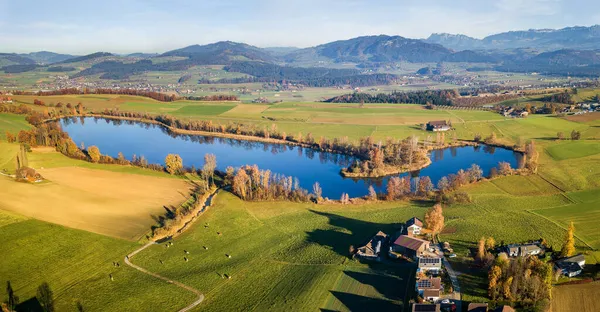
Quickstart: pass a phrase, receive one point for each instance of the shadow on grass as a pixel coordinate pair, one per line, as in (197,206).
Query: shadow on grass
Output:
(385,285)
(30,305)
(360,303)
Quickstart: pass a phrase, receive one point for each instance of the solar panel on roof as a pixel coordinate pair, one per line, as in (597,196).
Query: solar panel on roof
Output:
(424,284)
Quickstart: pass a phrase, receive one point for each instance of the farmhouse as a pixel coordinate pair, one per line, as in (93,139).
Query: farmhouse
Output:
(523,250)
(372,249)
(571,266)
(414,226)
(410,247)
(424,307)
(429,264)
(431,294)
(424,284)
(438,125)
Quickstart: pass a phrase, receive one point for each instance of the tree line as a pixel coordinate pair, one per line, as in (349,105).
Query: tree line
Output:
(162,97)
(435,97)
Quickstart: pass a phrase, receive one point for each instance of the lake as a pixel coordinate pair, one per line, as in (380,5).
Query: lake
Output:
(307,165)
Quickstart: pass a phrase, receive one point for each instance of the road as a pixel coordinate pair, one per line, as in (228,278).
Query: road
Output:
(188,288)
(456,296)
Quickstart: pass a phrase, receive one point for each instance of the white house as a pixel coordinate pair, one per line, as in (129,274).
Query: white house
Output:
(571,266)
(414,226)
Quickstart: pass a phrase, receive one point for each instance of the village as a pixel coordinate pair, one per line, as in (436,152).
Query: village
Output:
(436,286)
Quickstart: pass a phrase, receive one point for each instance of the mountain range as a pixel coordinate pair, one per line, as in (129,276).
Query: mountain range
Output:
(573,50)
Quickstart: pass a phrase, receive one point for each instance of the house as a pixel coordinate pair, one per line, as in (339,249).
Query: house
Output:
(432,295)
(504,308)
(414,226)
(523,250)
(428,283)
(372,249)
(438,125)
(425,307)
(477,307)
(410,247)
(571,266)
(429,264)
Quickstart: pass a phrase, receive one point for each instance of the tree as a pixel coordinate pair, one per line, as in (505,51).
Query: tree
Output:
(45,297)
(208,170)
(12,299)
(475,173)
(94,153)
(493,277)
(490,243)
(504,168)
(568,248)
(480,256)
(434,219)
(443,184)
(317,191)
(10,137)
(575,135)
(560,135)
(491,139)
(372,193)
(173,163)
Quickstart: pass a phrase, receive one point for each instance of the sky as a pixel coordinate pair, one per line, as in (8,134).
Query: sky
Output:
(127,26)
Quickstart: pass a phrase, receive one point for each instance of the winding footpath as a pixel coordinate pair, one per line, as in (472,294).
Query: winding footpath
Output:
(200,295)
(170,281)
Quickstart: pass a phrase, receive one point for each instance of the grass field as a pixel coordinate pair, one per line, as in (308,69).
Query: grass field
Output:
(574,149)
(576,297)
(13,124)
(284,256)
(77,265)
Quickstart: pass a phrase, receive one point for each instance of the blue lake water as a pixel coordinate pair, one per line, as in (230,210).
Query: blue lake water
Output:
(307,165)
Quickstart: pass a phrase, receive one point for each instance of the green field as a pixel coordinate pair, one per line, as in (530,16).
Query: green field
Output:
(575,149)
(13,124)
(77,265)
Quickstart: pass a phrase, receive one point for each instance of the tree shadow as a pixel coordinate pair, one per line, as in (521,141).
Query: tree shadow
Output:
(30,305)
(384,284)
(360,303)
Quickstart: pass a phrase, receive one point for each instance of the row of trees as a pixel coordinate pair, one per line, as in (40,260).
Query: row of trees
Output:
(251,183)
(435,97)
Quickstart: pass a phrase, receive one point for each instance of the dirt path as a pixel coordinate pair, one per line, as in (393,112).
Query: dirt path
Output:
(170,281)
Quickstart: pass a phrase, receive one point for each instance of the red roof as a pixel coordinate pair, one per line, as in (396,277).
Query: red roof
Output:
(410,242)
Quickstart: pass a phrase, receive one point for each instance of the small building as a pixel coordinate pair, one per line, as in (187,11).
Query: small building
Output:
(414,226)
(373,248)
(429,264)
(571,266)
(477,307)
(410,247)
(431,283)
(425,307)
(523,250)
(432,295)
(438,125)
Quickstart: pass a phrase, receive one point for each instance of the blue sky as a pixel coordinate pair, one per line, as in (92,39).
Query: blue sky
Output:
(124,26)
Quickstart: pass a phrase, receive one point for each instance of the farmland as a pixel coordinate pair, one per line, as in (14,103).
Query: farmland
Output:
(576,297)
(284,256)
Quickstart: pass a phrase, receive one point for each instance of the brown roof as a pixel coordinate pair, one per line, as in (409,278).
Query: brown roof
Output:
(438,123)
(414,220)
(369,249)
(431,293)
(410,242)
(504,308)
(477,307)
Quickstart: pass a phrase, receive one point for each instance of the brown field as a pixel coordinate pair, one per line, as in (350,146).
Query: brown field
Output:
(584,117)
(581,298)
(110,203)
(245,110)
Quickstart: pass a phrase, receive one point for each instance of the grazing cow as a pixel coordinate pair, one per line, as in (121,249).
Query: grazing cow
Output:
(219,233)
(228,256)
(111,277)
(205,248)
(186,259)
(186,252)
(161,262)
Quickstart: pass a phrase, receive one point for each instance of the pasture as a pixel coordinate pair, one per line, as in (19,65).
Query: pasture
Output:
(77,265)
(284,256)
(13,124)
(573,149)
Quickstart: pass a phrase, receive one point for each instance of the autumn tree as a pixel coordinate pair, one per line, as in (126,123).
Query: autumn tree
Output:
(480,256)
(434,219)
(491,139)
(560,135)
(173,163)
(372,194)
(10,137)
(317,191)
(208,170)
(490,243)
(494,276)
(575,135)
(504,168)
(94,153)
(45,297)
(568,248)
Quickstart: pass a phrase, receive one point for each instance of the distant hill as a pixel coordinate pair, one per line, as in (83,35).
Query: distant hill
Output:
(580,38)
(561,62)
(222,53)
(86,57)
(279,51)
(45,57)
(142,55)
(376,49)
(8,59)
